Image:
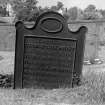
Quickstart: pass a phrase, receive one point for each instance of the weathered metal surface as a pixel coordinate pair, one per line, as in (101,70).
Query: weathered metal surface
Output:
(48,54)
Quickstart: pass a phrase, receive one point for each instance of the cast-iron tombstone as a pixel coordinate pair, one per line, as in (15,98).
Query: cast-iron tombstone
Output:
(48,54)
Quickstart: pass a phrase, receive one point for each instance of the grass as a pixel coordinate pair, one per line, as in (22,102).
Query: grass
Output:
(92,91)
(95,83)
(38,96)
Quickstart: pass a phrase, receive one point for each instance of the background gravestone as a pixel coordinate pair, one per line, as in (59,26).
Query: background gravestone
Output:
(48,54)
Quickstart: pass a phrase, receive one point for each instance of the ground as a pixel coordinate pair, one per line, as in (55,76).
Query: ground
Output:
(76,96)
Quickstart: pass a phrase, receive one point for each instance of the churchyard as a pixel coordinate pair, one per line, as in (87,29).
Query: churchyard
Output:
(90,92)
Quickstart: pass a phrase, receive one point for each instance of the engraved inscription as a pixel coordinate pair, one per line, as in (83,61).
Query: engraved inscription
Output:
(47,54)
(48,60)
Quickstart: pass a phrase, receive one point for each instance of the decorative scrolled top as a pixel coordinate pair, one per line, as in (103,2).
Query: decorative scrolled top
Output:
(51,25)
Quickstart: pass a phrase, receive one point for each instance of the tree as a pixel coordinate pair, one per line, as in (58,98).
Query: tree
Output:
(54,8)
(80,14)
(102,13)
(3,6)
(59,5)
(4,2)
(91,13)
(66,16)
(73,13)
(25,10)
(90,8)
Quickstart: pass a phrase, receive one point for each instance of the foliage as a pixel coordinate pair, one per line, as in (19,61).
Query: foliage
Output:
(91,13)
(90,16)
(3,11)
(28,10)
(56,7)
(90,8)
(102,13)
(73,13)
(59,5)
(66,15)
(3,4)
(25,10)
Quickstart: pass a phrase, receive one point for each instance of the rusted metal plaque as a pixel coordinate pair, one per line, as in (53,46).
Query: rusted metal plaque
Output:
(47,55)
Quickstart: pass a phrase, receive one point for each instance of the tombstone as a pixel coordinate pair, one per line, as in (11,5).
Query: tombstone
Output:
(48,54)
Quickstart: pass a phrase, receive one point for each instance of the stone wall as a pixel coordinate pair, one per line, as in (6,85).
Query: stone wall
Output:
(7,37)
(95,34)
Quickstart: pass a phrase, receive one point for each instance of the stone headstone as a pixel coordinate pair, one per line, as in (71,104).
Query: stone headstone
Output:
(48,54)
